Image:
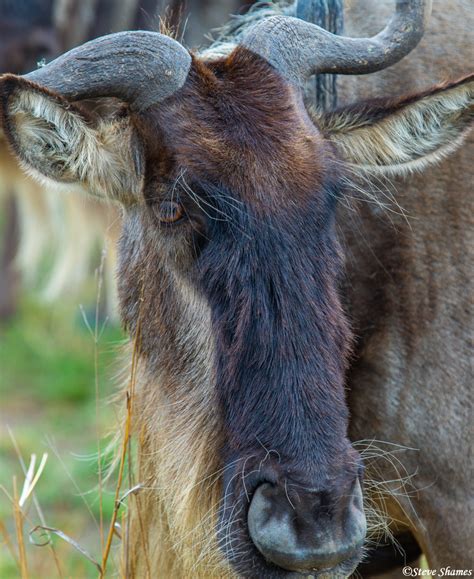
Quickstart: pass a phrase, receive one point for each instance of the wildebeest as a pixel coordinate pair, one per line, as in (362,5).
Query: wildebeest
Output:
(229,273)
(47,224)
(409,293)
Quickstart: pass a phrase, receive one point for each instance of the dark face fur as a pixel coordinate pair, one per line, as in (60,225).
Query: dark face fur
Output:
(255,247)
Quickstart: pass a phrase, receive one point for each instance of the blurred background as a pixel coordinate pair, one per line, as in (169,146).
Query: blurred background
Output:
(60,336)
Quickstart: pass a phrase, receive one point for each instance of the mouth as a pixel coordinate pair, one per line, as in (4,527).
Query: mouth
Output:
(259,567)
(341,571)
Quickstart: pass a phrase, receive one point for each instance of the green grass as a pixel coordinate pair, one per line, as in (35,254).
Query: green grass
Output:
(47,394)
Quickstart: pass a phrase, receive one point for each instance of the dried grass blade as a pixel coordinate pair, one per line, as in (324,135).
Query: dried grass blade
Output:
(29,485)
(64,537)
(134,490)
(28,478)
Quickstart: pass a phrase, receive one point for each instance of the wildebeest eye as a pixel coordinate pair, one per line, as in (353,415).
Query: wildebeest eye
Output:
(169,212)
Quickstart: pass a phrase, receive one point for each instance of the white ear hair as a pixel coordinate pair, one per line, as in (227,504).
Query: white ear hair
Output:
(403,136)
(58,145)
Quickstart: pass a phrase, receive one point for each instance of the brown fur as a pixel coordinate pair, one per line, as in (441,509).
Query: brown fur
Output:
(216,128)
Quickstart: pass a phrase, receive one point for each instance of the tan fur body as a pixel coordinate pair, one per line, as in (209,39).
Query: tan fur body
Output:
(170,532)
(410,290)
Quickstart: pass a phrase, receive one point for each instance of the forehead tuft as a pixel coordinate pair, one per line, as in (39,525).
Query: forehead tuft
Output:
(239,124)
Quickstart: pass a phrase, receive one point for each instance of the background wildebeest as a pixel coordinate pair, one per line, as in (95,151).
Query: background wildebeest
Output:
(18,53)
(235,307)
(409,286)
(30,32)
(41,223)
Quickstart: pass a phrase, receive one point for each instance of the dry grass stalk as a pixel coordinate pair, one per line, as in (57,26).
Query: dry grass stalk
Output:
(8,542)
(124,448)
(18,517)
(96,335)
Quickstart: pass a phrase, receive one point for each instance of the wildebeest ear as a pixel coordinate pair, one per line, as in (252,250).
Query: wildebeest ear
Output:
(393,137)
(61,144)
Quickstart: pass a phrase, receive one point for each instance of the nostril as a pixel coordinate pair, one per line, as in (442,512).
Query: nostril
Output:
(296,537)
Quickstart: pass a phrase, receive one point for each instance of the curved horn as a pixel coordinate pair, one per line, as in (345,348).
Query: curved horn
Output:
(141,68)
(300,49)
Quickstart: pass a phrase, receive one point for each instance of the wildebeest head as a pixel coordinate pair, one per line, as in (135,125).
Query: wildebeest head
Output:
(229,270)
